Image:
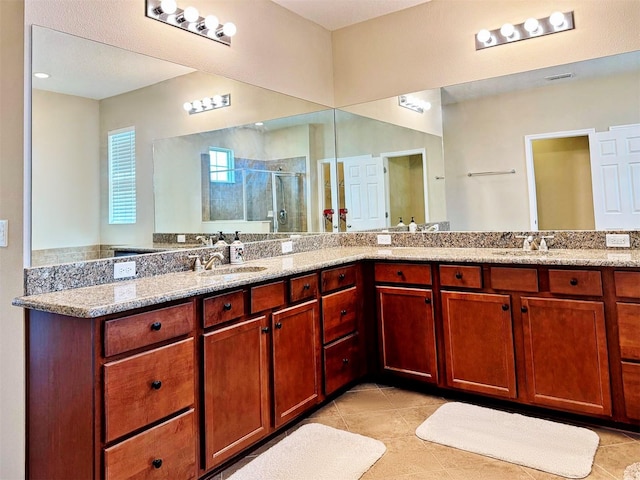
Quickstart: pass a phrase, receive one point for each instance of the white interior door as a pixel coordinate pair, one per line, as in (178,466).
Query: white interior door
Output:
(364,192)
(615,175)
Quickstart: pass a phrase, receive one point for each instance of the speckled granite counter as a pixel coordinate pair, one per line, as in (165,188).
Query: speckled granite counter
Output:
(109,298)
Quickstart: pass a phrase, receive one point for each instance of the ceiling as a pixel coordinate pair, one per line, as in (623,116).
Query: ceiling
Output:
(91,69)
(335,14)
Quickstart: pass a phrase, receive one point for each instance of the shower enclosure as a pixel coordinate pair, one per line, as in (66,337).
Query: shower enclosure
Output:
(276,196)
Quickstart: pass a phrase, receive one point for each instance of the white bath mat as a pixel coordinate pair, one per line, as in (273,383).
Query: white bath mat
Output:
(552,447)
(632,472)
(314,452)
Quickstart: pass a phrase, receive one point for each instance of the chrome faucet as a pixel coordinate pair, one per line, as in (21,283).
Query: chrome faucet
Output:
(531,243)
(212,260)
(204,241)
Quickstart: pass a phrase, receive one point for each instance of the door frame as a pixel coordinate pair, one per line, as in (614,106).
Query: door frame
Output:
(531,174)
(404,153)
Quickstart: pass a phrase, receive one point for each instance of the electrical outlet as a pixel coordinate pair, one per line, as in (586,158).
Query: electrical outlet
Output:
(124,270)
(287,247)
(4,233)
(181,238)
(384,239)
(618,240)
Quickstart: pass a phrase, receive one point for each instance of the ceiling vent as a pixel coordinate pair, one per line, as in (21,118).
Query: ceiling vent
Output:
(559,76)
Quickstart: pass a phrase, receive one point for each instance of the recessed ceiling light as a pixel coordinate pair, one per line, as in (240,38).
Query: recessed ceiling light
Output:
(41,75)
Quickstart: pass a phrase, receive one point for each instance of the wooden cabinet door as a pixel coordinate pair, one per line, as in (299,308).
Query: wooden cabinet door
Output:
(478,339)
(296,360)
(236,388)
(566,355)
(407,335)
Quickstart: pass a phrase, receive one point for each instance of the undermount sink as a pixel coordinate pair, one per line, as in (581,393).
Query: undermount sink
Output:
(524,253)
(232,270)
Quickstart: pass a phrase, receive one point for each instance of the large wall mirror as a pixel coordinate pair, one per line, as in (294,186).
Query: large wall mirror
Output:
(511,153)
(96,90)
(550,149)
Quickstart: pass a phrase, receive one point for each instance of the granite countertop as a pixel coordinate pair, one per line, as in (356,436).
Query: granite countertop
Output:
(99,300)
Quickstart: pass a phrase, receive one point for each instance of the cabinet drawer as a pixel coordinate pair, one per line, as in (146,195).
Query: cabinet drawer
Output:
(627,284)
(403,273)
(164,452)
(460,276)
(264,297)
(341,277)
(575,282)
(629,330)
(341,363)
(147,387)
(135,331)
(339,314)
(303,288)
(514,279)
(631,385)
(223,308)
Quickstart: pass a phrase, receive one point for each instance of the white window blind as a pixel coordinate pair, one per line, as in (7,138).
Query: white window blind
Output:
(221,165)
(122,176)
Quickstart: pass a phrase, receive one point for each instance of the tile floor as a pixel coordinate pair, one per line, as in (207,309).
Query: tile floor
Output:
(391,415)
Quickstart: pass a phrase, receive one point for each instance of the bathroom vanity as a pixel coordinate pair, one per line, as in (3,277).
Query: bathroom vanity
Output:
(186,370)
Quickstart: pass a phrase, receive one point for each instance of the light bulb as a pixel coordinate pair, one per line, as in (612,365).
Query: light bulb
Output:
(229,29)
(484,36)
(41,75)
(217,100)
(197,104)
(426,105)
(167,7)
(557,19)
(211,22)
(191,14)
(187,106)
(531,25)
(507,30)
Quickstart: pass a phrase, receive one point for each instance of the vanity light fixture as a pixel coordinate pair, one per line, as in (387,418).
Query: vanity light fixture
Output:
(530,28)
(413,103)
(189,19)
(207,104)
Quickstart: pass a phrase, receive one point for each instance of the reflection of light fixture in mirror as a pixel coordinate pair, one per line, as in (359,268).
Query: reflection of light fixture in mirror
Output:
(207,104)
(41,75)
(532,27)
(413,103)
(189,19)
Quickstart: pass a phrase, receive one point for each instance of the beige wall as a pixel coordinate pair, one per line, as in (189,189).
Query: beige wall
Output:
(487,134)
(432,44)
(65,165)
(12,434)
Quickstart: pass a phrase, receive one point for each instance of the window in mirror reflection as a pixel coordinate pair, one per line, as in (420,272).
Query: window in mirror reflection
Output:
(221,165)
(122,176)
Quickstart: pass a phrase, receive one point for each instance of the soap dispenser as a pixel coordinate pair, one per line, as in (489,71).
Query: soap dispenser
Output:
(221,242)
(413,226)
(400,223)
(236,250)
